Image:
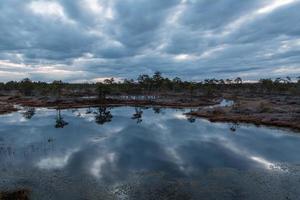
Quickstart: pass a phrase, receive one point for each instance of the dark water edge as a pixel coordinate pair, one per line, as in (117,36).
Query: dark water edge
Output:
(132,153)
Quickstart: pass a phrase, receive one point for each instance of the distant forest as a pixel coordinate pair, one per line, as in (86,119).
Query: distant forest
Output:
(149,85)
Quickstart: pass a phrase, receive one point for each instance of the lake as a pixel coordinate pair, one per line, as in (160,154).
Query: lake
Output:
(144,153)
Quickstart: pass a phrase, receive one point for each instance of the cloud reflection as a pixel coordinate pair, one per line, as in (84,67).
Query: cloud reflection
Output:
(161,143)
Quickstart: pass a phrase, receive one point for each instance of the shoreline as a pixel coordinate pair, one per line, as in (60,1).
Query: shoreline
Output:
(247,120)
(257,111)
(9,105)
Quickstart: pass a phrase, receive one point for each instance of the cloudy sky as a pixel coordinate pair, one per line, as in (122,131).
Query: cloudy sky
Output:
(87,40)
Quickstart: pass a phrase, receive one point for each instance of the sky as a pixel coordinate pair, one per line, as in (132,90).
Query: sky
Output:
(90,40)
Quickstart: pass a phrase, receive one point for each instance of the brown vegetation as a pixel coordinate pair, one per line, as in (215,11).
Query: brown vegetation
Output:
(6,106)
(15,195)
(281,111)
(168,101)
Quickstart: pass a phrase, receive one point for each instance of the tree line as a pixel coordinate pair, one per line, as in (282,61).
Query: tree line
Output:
(145,84)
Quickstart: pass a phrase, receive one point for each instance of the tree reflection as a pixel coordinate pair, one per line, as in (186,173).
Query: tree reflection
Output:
(156,110)
(60,122)
(28,112)
(103,115)
(191,118)
(88,111)
(234,127)
(138,115)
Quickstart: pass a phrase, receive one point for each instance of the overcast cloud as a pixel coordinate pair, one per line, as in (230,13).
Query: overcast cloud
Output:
(87,40)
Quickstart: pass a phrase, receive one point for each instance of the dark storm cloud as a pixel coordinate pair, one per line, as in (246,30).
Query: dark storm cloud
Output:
(139,20)
(38,36)
(194,39)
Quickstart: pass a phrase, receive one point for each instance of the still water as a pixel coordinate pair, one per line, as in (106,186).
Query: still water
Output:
(144,153)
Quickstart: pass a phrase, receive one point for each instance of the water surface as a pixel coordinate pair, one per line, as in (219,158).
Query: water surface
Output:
(144,153)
